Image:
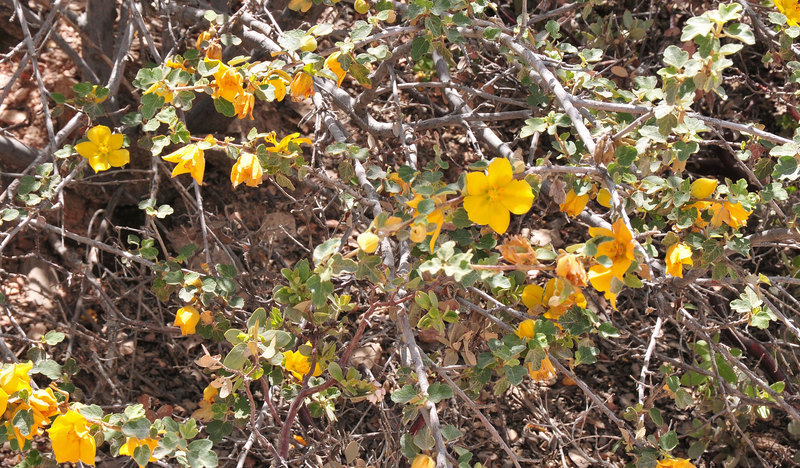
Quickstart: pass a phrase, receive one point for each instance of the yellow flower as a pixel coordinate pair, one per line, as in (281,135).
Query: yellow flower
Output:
(103,150)
(332,63)
(190,160)
(678,255)
(283,145)
(302,86)
(71,439)
(248,170)
(299,365)
(15,378)
(572,270)
(791,9)
(604,198)
(368,242)
(34,430)
(703,188)
(278,82)
(243,105)
(490,198)
(526,329)
(574,204)
(545,372)
(434,217)
(423,461)
(228,83)
(675,463)
(169,63)
(518,251)
(187,318)
(132,443)
(732,214)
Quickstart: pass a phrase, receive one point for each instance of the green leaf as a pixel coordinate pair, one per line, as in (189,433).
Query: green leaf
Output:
(439,391)
(360,30)
(762,317)
(237,357)
(419,47)
(515,374)
(53,337)
(199,454)
(49,368)
(141,454)
(697,26)
(532,126)
(23,421)
(139,428)
(725,370)
(668,441)
(656,416)
(491,33)
(217,429)
(742,32)
(676,57)
(786,169)
(326,249)
(405,394)
(586,355)
(224,107)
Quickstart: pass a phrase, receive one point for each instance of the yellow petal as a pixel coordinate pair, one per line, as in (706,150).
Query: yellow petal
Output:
(478,208)
(118,157)
(115,141)
(517,197)
(477,183)
(99,135)
(499,219)
(87,149)
(533,296)
(526,329)
(500,172)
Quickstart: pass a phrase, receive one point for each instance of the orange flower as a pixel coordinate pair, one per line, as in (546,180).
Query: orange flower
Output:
(302,86)
(554,299)
(678,255)
(332,64)
(71,439)
(732,214)
(14,378)
(300,365)
(619,250)
(228,83)
(187,318)
(132,443)
(569,268)
(574,204)
(546,370)
(190,160)
(435,217)
(518,251)
(248,170)
(243,104)
(790,9)
(526,329)
(423,461)
(675,463)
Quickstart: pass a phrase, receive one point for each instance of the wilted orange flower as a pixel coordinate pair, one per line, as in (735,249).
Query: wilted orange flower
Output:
(570,268)
(243,105)
(675,463)
(247,169)
(332,64)
(545,372)
(228,83)
(189,160)
(574,204)
(518,251)
(492,197)
(434,217)
(678,255)
(103,150)
(302,86)
(732,214)
(619,250)
(554,299)
(71,439)
(187,318)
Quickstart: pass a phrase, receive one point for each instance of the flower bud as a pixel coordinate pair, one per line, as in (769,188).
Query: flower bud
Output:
(368,242)
(703,188)
(308,44)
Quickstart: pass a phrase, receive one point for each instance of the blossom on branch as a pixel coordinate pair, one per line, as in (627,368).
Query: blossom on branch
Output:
(492,197)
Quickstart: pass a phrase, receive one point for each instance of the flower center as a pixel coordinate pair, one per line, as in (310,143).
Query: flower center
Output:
(495,194)
(102,148)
